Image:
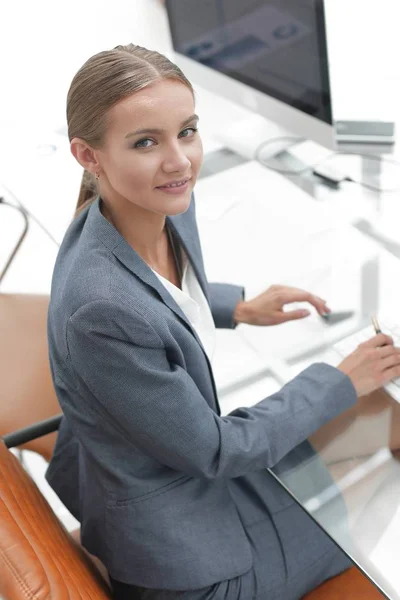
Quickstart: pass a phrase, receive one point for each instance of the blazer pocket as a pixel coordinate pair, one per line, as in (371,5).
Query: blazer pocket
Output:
(186,535)
(143,497)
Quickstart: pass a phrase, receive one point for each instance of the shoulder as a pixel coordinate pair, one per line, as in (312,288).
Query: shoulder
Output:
(113,319)
(86,268)
(82,272)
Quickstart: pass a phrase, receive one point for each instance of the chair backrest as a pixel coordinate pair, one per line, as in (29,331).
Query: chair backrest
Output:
(27,393)
(38,557)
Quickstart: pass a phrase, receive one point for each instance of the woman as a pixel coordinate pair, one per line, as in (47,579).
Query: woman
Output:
(173,498)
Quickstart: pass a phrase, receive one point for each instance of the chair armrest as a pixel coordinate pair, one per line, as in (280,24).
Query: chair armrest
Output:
(27,434)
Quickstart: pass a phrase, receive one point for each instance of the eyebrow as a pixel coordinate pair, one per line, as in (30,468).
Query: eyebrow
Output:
(160,131)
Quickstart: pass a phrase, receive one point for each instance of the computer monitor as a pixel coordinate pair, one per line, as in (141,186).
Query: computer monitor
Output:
(268,55)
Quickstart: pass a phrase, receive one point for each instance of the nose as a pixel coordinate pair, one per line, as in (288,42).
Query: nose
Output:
(176,159)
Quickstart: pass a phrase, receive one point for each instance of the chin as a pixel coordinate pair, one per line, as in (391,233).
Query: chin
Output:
(177,206)
(178,210)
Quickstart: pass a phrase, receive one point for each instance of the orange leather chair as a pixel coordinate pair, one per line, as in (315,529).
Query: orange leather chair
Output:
(350,585)
(27,394)
(27,390)
(38,557)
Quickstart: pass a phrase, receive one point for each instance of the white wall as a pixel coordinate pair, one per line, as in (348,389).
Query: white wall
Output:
(44,42)
(364,54)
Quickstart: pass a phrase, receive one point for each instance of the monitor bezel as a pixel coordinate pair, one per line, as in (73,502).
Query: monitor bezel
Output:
(325,93)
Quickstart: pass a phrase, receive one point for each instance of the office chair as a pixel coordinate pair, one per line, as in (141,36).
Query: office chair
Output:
(26,385)
(350,585)
(24,372)
(38,557)
(25,378)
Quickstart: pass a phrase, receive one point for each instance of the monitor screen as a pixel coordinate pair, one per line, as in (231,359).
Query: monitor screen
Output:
(277,47)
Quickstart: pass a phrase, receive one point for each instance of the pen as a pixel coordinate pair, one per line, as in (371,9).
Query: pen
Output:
(376,325)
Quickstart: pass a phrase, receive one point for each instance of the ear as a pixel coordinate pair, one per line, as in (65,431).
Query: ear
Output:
(85,155)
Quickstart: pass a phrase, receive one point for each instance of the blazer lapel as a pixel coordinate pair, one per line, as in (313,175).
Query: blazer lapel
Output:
(109,236)
(132,261)
(188,237)
(185,234)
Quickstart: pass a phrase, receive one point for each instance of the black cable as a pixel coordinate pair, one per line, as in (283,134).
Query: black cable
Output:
(313,166)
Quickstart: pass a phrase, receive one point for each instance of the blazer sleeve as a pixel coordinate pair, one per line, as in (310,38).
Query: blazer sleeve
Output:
(124,372)
(223,300)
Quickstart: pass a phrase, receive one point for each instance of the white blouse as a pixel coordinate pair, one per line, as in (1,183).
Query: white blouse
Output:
(193,303)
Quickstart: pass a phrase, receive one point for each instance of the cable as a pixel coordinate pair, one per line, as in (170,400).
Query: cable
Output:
(28,212)
(296,140)
(20,240)
(376,159)
(46,231)
(311,167)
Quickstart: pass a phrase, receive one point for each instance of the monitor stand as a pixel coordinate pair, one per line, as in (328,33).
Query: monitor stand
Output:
(256,138)
(219,160)
(244,137)
(365,132)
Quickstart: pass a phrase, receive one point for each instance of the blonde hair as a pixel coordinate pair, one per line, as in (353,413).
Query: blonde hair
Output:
(104,80)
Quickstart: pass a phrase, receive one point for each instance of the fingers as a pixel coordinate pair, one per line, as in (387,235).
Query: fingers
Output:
(293,315)
(392,373)
(296,295)
(391,361)
(378,340)
(386,351)
(320,305)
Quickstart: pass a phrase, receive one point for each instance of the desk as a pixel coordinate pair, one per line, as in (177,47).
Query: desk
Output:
(265,231)
(347,476)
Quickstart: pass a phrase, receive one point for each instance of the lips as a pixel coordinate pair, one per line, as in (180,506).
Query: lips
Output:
(174,184)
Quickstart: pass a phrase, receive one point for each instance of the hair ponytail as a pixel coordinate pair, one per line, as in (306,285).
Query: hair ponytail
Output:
(87,193)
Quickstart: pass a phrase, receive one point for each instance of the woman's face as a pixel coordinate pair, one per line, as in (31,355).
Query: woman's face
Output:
(152,152)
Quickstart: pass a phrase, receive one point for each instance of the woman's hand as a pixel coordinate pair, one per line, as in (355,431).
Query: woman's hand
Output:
(373,364)
(267,308)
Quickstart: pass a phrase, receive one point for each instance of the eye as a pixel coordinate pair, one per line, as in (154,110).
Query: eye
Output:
(143,143)
(188,132)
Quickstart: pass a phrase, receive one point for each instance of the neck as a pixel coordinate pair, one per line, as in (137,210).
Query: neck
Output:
(143,230)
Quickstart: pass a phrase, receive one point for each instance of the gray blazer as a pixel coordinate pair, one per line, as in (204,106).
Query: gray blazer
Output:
(143,457)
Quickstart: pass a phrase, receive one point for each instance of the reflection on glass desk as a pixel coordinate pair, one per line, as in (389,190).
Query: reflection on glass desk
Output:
(258,229)
(347,477)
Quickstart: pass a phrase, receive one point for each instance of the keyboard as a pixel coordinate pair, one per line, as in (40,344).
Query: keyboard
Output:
(348,344)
